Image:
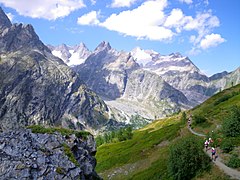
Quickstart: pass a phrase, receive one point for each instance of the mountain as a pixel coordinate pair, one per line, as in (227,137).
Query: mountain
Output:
(130,92)
(72,56)
(105,71)
(38,88)
(229,80)
(177,70)
(126,81)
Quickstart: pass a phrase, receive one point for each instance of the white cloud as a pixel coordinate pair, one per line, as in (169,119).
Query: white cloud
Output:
(90,18)
(206,2)
(211,40)
(10,16)
(177,20)
(149,21)
(144,22)
(122,3)
(203,24)
(46,9)
(93,2)
(186,1)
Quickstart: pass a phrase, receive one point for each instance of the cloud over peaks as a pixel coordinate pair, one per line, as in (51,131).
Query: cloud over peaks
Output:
(211,40)
(90,18)
(122,3)
(46,9)
(143,22)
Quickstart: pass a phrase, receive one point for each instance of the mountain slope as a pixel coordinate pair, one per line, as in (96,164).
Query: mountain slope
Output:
(38,88)
(146,155)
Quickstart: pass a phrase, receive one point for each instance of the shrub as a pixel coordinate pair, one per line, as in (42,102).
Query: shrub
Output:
(115,136)
(225,98)
(186,158)
(234,161)
(231,125)
(184,118)
(227,145)
(198,119)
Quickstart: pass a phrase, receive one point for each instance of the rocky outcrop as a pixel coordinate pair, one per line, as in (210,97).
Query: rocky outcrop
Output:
(39,88)
(25,155)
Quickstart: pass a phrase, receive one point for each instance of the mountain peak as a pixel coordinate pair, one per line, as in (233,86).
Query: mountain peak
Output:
(5,22)
(104,45)
(176,55)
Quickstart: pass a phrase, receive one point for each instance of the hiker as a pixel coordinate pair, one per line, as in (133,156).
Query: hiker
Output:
(189,122)
(213,154)
(210,141)
(206,143)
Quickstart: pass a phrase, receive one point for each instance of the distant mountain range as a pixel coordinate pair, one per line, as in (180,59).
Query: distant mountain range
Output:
(144,82)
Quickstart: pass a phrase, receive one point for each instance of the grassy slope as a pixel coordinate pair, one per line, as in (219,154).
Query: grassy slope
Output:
(215,114)
(147,146)
(145,156)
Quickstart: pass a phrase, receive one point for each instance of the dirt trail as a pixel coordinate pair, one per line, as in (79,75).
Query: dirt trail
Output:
(227,170)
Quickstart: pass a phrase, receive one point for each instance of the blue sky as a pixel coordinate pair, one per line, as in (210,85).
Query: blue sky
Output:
(208,31)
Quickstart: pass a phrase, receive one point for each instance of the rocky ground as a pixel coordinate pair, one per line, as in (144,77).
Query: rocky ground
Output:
(25,155)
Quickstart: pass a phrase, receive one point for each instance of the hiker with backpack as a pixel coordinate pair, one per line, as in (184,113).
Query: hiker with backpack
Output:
(206,143)
(213,154)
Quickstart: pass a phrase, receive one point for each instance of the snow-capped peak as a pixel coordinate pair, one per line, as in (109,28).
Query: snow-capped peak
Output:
(71,55)
(143,57)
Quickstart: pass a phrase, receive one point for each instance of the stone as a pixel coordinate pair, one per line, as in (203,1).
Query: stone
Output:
(38,164)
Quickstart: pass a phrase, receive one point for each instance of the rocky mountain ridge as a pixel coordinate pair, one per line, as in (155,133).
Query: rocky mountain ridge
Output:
(38,88)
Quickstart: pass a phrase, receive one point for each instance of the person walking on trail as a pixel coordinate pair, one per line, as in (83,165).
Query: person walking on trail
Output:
(206,143)
(213,154)
(210,140)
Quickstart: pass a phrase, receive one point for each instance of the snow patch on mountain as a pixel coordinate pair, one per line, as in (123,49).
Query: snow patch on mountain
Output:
(71,55)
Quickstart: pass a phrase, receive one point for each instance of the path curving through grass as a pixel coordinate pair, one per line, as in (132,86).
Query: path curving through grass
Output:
(218,162)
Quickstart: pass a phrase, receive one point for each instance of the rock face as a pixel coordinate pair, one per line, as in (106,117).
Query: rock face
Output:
(71,55)
(25,155)
(106,70)
(127,89)
(5,22)
(38,88)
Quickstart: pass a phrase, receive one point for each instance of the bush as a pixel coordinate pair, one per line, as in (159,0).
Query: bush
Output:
(234,161)
(225,98)
(198,119)
(227,145)
(231,125)
(186,158)
(184,118)
(122,134)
